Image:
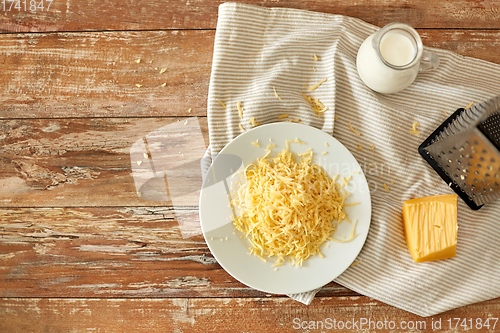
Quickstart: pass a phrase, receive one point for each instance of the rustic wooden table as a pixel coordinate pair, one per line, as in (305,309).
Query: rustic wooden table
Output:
(79,251)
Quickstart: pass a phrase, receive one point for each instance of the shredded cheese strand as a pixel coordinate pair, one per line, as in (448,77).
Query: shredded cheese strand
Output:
(316,86)
(414,129)
(240,109)
(222,104)
(288,209)
(276,94)
(316,105)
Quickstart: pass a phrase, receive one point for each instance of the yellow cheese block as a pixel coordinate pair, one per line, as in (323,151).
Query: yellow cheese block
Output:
(430,226)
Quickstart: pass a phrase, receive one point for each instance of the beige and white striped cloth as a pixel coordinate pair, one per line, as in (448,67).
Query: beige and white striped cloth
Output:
(262,50)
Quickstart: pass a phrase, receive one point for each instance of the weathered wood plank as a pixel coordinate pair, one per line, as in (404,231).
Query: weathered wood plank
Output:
(110,252)
(79,15)
(269,315)
(75,162)
(105,74)
(94,74)
(468,43)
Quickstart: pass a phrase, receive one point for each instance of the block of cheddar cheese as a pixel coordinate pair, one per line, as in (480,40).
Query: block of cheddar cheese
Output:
(430,227)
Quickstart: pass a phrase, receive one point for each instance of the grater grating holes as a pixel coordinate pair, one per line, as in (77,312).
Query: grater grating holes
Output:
(468,162)
(491,129)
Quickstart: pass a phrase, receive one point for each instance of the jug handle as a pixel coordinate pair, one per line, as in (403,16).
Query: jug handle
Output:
(429,61)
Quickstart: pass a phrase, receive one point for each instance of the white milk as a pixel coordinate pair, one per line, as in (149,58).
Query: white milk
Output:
(398,50)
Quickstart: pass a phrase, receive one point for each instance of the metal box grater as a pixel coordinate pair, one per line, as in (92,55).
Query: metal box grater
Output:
(465,152)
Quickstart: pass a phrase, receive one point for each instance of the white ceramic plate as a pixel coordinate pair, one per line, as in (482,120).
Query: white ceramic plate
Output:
(231,251)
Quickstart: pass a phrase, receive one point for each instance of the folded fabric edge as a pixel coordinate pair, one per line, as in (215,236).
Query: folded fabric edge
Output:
(305,297)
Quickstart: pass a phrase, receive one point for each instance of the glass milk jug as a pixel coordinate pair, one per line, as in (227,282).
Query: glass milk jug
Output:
(389,60)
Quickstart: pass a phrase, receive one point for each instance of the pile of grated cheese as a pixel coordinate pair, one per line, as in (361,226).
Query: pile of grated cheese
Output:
(288,209)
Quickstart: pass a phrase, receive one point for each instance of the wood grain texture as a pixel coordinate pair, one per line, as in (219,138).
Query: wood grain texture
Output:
(74,162)
(80,15)
(105,74)
(475,44)
(269,315)
(79,250)
(110,252)
(95,74)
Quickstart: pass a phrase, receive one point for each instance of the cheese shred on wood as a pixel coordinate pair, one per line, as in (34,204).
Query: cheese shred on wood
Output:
(288,209)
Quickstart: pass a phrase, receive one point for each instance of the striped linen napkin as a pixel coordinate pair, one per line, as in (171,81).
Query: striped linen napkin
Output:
(262,50)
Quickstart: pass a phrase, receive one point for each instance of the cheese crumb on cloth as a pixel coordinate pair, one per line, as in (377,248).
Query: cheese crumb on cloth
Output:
(266,57)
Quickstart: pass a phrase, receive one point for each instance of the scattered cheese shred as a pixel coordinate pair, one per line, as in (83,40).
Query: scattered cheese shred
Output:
(414,129)
(164,84)
(316,86)
(352,129)
(138,85)
(356,262)
(345,181)
(287,143)
(470,104)
(222,104)
(241,127)
(326,144)
(350,238)
(189,111)
(324,153)
(308,152)
(162,70)
(315,57)
(316,104)
(360,146)
(282,116)
(271,145)
(253,122)
(256,143)
(386,187)
(288,209)
(240,109)
(138,60)
(276,94)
